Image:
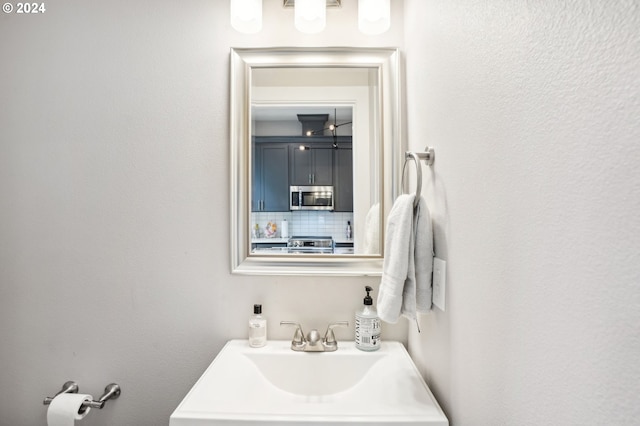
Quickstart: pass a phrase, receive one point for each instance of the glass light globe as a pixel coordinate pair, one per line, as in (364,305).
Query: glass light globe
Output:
(246,16)
(310,15)
(374,16)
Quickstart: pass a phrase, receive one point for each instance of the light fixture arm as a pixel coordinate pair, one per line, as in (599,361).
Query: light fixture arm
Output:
(332,128)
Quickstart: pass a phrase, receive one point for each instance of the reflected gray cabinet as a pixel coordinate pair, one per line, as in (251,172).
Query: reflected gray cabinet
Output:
(343,178)
(270,178)
(278,162)
(312,166)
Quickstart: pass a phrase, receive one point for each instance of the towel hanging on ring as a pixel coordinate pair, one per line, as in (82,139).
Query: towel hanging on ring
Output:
(405,287)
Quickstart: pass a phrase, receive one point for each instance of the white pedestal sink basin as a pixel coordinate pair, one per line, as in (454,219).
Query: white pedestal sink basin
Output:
(274,385)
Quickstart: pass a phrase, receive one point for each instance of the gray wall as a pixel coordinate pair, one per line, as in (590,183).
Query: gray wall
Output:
(533,108)
(114,180)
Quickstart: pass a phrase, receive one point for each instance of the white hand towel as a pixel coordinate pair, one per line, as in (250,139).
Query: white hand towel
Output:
(423,257)
(405,287)
(395,266)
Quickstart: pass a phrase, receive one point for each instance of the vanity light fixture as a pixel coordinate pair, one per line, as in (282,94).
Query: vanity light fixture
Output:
(246,16)
(374,16)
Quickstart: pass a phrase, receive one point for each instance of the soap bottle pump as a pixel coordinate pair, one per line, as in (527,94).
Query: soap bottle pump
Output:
(257,328)
(349,232)
(368,325)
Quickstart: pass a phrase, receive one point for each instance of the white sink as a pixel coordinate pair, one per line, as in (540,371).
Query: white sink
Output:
(274,385)
(313,374)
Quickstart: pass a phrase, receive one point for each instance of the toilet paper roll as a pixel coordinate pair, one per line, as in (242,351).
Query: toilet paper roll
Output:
(64,408)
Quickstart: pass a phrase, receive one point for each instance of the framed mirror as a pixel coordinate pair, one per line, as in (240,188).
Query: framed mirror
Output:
(315,149)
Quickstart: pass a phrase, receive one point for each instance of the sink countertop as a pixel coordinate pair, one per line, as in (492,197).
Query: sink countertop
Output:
(233,391)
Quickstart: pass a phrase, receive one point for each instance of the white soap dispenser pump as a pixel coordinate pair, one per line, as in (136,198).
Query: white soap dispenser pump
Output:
(368,325)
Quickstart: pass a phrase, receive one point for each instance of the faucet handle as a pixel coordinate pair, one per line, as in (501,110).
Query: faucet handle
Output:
(329,337)
(298,337)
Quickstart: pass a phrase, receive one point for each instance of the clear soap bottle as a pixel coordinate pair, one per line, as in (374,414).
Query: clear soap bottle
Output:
(257,328)
(368,325)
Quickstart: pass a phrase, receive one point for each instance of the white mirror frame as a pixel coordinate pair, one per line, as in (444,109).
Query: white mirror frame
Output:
(242,61)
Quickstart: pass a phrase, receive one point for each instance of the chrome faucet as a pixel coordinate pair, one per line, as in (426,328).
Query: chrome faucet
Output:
(313,342)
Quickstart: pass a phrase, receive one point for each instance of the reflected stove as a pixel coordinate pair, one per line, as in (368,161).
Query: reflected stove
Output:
(307,244)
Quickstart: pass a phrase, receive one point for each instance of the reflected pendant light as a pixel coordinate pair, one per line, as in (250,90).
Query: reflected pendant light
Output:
(310,15)
(374,16)
(246,16)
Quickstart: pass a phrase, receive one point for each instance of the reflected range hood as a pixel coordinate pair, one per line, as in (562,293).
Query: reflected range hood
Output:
(313,124)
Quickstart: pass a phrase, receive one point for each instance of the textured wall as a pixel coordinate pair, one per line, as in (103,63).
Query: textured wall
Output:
(533,110)
(114,178)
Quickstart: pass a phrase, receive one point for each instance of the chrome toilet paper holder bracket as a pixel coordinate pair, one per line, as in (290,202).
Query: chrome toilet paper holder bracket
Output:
(111,391)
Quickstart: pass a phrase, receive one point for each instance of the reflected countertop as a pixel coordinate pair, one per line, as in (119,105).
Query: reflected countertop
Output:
(278,240)
(343,241)
(274,240)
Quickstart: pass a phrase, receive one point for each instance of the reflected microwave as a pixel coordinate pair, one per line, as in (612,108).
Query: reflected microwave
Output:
(311,197)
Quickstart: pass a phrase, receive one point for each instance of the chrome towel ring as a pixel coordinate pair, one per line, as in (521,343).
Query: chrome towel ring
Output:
(428,156)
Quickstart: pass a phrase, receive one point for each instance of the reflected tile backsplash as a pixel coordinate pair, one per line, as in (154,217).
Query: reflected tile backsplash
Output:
(306,223)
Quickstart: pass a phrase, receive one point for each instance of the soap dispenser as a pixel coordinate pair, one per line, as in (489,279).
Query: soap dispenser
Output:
(367,325)
(257,328)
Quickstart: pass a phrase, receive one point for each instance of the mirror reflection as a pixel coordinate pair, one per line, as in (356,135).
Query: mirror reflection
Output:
(315,162)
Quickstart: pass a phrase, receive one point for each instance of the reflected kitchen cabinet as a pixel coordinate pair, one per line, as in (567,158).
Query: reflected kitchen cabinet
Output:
(312,165)
(343,178)
(270,178)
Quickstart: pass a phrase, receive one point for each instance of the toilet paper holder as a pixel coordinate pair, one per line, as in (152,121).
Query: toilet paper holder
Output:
(111,391)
